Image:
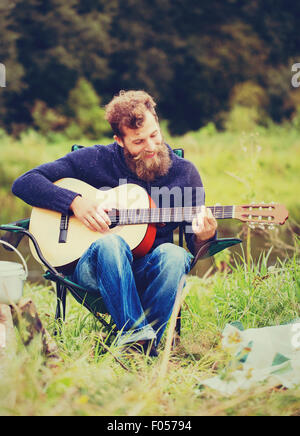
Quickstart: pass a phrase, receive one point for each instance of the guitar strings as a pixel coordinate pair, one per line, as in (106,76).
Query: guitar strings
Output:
(177,214)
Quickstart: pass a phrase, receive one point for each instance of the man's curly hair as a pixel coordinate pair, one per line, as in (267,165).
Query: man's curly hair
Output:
(128,109)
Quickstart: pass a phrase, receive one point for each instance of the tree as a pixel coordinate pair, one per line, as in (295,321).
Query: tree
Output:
(59,44)
(189,55)
(9,57)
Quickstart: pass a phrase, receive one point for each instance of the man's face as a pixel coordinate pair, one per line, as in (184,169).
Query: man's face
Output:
(144,150)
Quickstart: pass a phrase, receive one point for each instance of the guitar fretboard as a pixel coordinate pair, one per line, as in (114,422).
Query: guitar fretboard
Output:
(166,215)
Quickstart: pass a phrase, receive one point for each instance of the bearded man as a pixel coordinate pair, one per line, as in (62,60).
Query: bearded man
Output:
(139,293)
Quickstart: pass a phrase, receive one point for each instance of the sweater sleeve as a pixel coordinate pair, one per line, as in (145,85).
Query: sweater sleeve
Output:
(36,187)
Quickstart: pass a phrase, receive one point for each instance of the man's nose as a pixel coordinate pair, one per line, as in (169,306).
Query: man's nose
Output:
(150,146)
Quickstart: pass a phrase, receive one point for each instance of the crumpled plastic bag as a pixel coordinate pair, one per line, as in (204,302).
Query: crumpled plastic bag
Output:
(262,354)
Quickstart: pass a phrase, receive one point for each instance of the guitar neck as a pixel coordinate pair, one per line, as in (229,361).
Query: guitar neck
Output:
(166,215)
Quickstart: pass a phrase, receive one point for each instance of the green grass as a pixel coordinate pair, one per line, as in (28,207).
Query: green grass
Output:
(245,167)
(89,380)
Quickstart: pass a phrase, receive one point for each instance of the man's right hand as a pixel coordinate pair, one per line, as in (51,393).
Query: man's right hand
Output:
(91,214)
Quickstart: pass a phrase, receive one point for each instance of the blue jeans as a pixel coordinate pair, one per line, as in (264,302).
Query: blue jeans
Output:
(139,293)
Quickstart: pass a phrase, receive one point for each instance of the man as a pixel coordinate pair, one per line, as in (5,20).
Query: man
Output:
(138,293)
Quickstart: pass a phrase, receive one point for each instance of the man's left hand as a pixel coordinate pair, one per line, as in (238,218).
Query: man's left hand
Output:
(204,225)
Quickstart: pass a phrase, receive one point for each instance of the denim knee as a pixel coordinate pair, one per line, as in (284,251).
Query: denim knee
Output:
(173,257)
(111,246)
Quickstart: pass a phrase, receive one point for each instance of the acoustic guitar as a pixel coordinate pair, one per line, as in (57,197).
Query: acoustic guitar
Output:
(63,238)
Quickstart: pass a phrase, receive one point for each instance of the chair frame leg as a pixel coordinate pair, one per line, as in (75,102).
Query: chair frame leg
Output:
(61,294)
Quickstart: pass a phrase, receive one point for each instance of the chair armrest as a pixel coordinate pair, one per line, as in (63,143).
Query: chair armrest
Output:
(213,247)
(14,232)
(20,231)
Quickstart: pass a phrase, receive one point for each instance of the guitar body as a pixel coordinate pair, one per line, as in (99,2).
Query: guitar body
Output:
(45,224)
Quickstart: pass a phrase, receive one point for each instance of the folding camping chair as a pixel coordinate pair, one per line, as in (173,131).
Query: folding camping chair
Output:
(15,231)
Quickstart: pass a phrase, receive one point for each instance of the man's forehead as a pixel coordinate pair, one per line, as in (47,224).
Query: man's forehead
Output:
(149,126)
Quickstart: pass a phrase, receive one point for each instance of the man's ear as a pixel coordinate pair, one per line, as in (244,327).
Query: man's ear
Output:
(119,140)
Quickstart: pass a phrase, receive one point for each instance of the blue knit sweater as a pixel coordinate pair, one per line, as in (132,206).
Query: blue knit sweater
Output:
(104,165)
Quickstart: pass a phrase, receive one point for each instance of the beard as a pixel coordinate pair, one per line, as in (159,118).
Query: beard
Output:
(148,169)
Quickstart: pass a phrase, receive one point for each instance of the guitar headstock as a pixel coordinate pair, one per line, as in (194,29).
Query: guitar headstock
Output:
(262,214)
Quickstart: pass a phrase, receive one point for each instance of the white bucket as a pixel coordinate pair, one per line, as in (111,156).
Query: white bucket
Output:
(12,277)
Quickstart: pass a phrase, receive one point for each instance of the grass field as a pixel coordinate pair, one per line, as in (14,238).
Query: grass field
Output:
(91,380)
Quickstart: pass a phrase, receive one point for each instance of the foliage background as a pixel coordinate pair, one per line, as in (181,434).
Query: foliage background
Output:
(201,61)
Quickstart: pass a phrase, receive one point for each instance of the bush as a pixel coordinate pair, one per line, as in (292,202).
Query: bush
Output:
(84,106)
(296,119)
(242,118)
(248,102)
(47,119)
(248,94)
(82,116)
(3,135)
(208,130)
